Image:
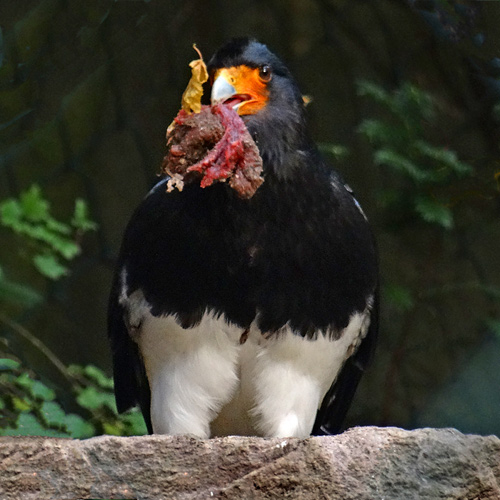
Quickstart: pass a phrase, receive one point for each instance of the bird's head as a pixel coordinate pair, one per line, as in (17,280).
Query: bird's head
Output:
(246,74)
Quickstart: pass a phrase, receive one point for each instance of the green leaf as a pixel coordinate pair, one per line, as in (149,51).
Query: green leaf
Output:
(336,150)
(409,103)
(113,428)
(30,217)
(135,423)
(98,376)
(49,266)
(78,428)
(10,212)
(413,104)
(35,208)
(435,212)
(40,391)
(20,404)
(25,381)
(28,425)
(75,370)
(64,246)
(378,132)
(8,364)
(376,92)
(53,414)
(58,227)
(443,156)
(93,399)
(402,164)
(15,293)
(80,218)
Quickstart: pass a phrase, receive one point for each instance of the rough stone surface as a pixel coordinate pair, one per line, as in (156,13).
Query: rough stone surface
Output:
(363,463)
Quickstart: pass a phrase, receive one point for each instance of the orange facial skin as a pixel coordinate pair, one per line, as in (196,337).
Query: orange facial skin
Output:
(251,88)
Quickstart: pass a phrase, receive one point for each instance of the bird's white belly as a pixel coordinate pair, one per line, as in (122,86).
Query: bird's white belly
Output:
(217,379)
(282,382)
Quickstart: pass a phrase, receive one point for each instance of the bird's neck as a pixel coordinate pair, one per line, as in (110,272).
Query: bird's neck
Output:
(282,142)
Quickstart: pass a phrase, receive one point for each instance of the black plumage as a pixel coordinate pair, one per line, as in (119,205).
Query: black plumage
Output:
(298,254)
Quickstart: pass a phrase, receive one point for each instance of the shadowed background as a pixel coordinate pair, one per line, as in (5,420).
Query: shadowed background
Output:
(87,90)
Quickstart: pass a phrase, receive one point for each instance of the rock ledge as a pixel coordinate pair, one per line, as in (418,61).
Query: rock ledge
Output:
(362,463)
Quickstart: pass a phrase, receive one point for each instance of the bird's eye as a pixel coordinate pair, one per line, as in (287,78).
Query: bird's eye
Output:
(265,73)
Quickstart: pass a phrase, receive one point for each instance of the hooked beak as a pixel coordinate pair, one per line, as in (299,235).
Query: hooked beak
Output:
(224,92)
(221,90)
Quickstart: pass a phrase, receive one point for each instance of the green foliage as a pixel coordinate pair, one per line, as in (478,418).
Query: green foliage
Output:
(29,407)
(80,218)
(338,151)
(17,293)
(423,172)
(95,394)
(433,211)
(51,240)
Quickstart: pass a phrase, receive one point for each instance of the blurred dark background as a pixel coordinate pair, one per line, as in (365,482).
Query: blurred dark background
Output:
(87,90)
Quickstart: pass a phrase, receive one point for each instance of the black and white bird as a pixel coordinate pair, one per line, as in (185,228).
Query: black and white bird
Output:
(247,316)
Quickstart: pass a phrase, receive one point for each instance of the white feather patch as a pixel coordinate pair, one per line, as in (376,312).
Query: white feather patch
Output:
(204,382)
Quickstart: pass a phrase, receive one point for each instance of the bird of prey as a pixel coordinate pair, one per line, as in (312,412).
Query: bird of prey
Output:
(256,316)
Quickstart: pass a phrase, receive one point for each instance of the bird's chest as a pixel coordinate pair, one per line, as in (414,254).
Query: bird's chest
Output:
(282,238)
(269,256)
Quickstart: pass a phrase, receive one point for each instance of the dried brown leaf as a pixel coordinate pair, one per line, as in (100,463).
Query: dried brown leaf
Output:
(191,98)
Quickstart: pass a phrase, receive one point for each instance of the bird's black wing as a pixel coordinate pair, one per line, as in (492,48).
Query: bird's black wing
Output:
(338,399)
(131,384)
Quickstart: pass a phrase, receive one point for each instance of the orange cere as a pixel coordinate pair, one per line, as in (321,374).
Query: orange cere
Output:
(251,89)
